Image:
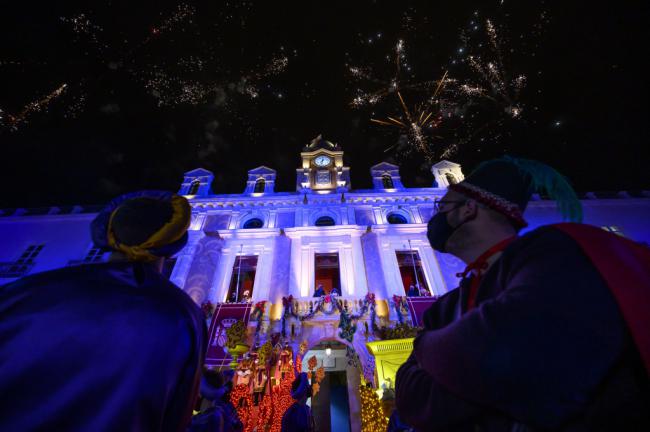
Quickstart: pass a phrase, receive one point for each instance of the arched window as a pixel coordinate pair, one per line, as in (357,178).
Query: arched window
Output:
(260,184)
(253,223)
(396,218)
(387,181)
(324,221)
(451,179)
(194,187)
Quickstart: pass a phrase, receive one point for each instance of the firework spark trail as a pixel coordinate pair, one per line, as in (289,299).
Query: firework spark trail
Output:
(21,117)
(386,87)
(493,83)
(173,90)
(176,83)
(418,120)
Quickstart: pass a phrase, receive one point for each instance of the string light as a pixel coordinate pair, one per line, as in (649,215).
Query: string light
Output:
(372,415)
(242,392)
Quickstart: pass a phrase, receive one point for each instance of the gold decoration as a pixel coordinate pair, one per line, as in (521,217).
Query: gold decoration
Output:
(236,334)
(372,415)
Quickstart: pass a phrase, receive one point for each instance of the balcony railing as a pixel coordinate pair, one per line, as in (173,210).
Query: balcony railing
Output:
(15,269)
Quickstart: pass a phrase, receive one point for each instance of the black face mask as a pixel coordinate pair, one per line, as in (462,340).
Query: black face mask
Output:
(439,230)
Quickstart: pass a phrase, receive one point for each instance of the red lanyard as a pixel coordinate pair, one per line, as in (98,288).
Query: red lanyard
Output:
(479,265)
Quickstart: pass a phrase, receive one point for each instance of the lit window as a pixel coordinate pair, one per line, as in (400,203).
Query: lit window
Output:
(451,179)
(324,221)
(410,268)
(396,218)
(253,223)
(194,187)
(242,279)
(387,181)
(260,184)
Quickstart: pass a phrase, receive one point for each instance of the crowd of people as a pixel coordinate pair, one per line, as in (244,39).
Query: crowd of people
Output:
(547,331)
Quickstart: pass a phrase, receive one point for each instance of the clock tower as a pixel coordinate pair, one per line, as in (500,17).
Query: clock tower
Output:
(322,168)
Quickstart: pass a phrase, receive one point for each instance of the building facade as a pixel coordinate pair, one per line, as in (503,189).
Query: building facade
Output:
(265,245)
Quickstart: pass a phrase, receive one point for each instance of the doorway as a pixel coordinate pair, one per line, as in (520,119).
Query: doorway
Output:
(330,407)
(410,269)
(327,272)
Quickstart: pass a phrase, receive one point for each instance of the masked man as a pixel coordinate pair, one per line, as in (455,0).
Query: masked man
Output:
(110,346)
(547,331)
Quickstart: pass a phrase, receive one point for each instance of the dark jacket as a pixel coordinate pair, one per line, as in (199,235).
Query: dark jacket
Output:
(546,348)
(98,348)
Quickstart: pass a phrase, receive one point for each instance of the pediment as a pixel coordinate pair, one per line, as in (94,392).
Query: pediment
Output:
(384,166)
(262,170)
(199,172)
(445,164)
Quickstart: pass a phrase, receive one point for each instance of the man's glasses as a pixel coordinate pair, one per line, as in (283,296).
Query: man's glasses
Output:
(439,203)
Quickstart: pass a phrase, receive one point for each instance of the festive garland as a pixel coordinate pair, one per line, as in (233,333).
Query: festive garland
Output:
(347,321)
(399,303)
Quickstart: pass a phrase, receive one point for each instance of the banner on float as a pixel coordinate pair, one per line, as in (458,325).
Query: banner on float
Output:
(417,307)
(225,315)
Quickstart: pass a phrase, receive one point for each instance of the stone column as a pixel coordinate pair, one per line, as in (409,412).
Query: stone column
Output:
(185,258)
(280,274)
(373,264)
(202,270)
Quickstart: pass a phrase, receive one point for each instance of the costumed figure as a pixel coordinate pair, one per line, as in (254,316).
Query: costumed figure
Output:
(298,417)
(110,338)
(547,331)
(286,359)
(259,385)
(217,412)
(244,373)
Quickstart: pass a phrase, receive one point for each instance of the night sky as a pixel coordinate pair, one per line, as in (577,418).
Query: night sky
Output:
(585,104)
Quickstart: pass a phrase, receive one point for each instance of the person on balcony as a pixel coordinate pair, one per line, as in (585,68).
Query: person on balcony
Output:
(336,291)
(320,291)
(413,291)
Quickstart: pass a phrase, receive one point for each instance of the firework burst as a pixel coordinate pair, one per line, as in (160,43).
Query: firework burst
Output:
(492,80)
(418,123)
(401,79)
(198,78)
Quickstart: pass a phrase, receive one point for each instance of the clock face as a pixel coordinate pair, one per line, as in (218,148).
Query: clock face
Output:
(322,161)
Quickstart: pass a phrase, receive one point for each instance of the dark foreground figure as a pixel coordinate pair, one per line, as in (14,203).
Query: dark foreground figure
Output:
(105,347)
(548,331)
(298,417)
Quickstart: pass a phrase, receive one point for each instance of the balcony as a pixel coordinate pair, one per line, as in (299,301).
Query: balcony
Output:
(12,270)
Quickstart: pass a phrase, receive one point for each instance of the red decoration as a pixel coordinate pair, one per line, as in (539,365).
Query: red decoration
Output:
(241,398)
